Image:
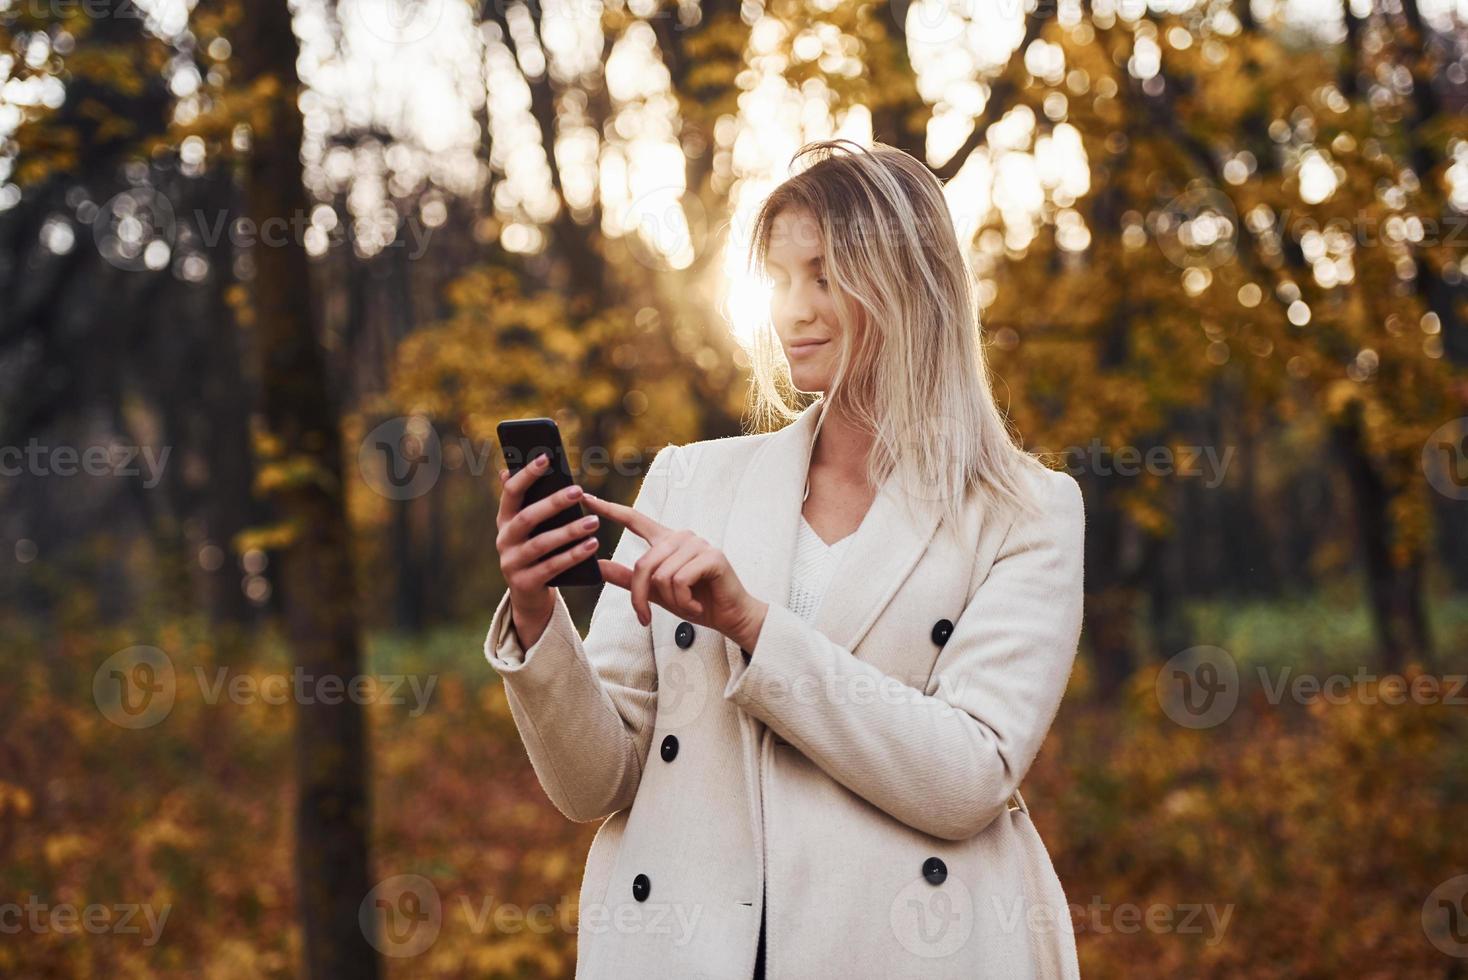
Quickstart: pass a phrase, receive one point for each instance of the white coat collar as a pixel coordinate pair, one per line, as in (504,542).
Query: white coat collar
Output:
(760,538)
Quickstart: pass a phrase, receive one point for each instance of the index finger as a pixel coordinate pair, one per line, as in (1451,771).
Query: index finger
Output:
(631,518)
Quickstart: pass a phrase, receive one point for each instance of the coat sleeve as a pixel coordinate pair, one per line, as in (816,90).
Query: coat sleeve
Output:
(944,760)
(585,710)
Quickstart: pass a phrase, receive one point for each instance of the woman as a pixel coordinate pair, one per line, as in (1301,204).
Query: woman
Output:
(826,655)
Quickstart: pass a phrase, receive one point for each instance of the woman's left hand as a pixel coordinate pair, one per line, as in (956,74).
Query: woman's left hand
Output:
(684,574)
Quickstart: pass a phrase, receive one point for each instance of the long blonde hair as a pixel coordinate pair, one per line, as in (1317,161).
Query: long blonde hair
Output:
(911,366)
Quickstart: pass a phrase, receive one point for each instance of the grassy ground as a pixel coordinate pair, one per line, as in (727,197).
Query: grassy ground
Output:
(1294,839)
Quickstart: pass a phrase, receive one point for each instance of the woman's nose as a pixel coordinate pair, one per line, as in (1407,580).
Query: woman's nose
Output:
(796,308)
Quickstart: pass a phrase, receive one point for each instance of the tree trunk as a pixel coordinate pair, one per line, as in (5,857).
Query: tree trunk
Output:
(317,591)
(1393,590)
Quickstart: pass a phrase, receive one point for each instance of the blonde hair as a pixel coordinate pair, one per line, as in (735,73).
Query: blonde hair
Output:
(911,366)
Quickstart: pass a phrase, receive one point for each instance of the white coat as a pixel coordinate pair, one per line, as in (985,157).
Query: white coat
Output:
(855,778)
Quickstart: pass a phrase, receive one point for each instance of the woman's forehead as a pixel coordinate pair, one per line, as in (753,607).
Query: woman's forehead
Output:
(795,241)
(796,223)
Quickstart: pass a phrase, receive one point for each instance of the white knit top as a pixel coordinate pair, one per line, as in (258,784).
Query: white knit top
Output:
(815,562)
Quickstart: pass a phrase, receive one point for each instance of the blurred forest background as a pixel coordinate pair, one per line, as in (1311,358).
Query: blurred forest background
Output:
(270,274)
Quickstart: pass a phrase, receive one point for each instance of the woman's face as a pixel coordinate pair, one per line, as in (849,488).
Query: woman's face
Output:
(801,306)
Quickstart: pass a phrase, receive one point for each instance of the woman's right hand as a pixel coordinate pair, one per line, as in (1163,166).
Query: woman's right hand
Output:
(523,559)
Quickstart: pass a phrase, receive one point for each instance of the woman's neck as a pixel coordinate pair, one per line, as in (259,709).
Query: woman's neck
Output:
(841,448)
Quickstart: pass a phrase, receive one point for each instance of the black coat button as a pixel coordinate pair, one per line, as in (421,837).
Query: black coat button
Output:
(684,636)
(935,871)
(942,630)
(640,887)
(670,748)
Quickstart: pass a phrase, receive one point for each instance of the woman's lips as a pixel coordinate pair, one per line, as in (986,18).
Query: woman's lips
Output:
(797,350)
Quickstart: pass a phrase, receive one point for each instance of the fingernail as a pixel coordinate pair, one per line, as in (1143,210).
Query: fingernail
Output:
(574,492)
(589,521)
(541,462)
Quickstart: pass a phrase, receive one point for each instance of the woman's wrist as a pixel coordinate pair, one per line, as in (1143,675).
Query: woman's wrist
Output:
(747,634)
(529,619)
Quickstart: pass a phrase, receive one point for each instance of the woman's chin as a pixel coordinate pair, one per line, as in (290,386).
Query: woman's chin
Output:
(810,381)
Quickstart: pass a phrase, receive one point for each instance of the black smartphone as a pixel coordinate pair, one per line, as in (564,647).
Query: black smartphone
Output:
(521,440)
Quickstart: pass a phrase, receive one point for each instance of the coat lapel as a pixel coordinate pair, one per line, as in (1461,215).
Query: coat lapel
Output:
(760,538)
